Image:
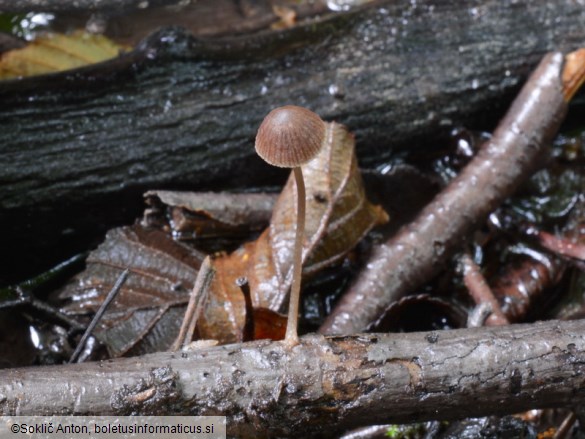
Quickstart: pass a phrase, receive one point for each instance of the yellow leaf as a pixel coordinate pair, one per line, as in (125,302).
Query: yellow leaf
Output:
(56,52)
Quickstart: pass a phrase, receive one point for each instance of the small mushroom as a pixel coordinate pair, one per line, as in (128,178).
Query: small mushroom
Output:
(289,137)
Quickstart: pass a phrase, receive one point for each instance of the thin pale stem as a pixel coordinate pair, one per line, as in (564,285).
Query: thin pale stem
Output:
(292,338)
(196,303)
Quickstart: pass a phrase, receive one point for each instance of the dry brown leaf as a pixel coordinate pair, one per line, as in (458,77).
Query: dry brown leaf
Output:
(287,17)
(338,216)
(573,73)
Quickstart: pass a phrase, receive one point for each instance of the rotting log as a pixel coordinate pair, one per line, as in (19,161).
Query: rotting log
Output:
(324,386)
(77,149)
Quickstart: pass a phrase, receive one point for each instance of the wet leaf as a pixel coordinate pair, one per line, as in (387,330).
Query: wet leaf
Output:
(338,216)
(55,52)
(147,312)
(526,281)
(268,324)
(191,215)
(261,323)
(552,194)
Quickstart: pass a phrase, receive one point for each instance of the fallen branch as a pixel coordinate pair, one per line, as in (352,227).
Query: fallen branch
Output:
(420,249)
(325,385)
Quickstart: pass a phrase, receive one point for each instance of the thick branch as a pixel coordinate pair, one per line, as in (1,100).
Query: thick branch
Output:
(419,250)
(325,385)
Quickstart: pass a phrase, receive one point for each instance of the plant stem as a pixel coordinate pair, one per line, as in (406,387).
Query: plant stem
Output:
(197,300)
(292,338)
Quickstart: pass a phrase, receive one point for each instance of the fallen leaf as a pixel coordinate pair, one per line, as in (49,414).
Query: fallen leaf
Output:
(287,17)
(191,215)
(56,52)
(268,325)
(146,314)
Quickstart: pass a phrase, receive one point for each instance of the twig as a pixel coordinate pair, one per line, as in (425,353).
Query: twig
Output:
(244,285)
(59,271)
(573,73)
(480,290)
(372,432)
(196,301)
(478,315)
(24,292)
(566,426)
(561,246)
(98,315)
(54,312)
(419,249)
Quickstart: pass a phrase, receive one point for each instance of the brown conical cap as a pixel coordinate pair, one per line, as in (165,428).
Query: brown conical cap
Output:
(290,136)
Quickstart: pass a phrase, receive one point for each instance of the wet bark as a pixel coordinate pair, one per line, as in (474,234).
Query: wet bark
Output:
(182,113)
(325,385)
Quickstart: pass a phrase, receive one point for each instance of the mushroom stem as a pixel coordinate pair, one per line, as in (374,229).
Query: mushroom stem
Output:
(289,137)
(292,338)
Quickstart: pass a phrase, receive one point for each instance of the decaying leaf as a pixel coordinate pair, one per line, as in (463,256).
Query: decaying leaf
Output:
(338,216)
(287,17)
(56,52)
(146,314)
(261,323)
(268,325)
(191,215)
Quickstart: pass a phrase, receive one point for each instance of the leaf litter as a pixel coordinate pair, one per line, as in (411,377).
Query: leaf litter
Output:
(147,312)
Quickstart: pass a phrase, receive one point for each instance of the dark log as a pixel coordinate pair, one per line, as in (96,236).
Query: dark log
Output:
(324,386)
(78,5)
(79,148)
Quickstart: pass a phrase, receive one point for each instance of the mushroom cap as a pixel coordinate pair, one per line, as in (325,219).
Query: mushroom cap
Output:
(290,136)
